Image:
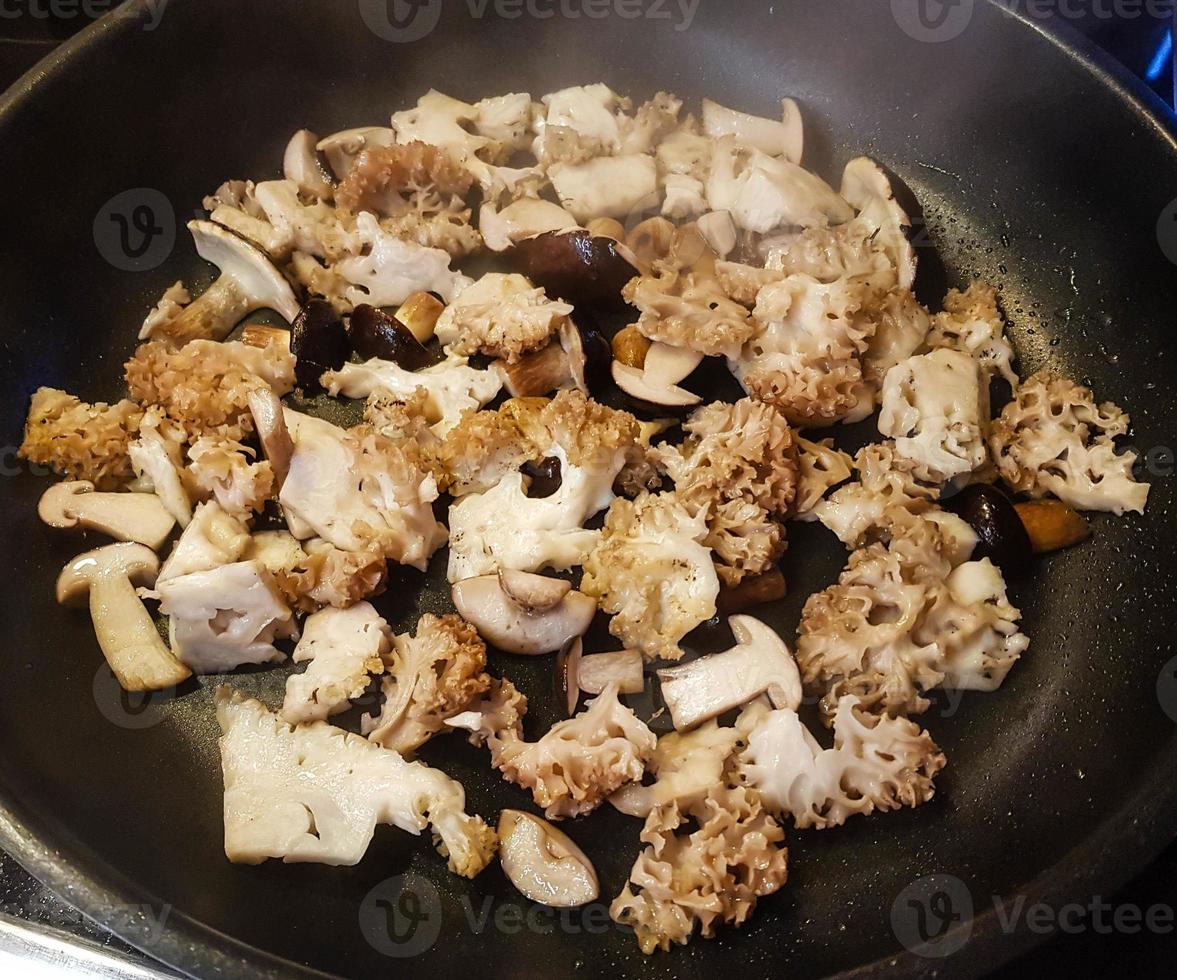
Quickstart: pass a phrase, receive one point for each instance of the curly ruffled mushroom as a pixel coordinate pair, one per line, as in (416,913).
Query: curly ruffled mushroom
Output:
(79,440)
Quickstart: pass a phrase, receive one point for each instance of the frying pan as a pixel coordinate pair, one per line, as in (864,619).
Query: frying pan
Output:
(1041,167)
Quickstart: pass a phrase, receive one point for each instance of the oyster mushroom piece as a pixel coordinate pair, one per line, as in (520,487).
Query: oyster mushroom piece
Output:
(530,618)
(759,663)
(543,863)
(248,282)
(125,630)
(139,517)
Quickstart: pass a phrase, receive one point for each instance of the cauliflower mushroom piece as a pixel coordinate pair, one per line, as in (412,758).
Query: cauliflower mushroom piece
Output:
(133,648)
(652,571)
(248,282)
(500,315)
(156,458)
(820,467)
(360,491)
(764,193)
(1054,438)
(79,440)
(345,648)
(343,147)
(320,574)
(937,410)
(431,677)
(226,471)
(705,864)
(867,187)
(580,761)
(876,763)
(606,187)
(971,322)
(227,616)
(806,359)
(211,539)
(138,517)
(902,621)
(705,688)
(451,387)
(316,793)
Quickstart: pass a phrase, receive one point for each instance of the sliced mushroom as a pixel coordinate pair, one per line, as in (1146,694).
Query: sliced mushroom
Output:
(373,333)
(785,138)
(621,667)
(718,230)
(270,423)
(248,282)
(509,625)
(537,373)
(300,164)
(343,147)
(262,335)
(576,266)
(523,219)
(126,632)
(420,313)
(318,342)
(543,863)
(657,382)
(533,593)
(139,517)
(568,675)
(760,662)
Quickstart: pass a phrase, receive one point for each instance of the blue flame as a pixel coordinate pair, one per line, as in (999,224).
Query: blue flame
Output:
(1160,59)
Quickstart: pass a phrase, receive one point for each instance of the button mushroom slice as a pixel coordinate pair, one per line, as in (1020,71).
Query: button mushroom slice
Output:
(139,517)
(543,863)
(538,373)
(510,625)
(300,164)
(248,282)
(533,593)
(656,382)
(125,630)
(270,423)
(760,662)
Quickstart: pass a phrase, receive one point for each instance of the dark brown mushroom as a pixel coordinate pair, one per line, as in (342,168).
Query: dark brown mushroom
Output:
(373,333)
(575,266)
(1002,536)
(318,341)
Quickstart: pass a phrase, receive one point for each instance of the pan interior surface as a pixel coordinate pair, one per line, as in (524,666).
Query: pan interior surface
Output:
(1059,781)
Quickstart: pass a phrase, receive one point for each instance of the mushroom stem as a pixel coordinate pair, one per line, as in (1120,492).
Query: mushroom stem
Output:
(213,314)
(129,640)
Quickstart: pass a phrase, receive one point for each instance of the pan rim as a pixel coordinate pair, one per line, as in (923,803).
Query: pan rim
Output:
(1148,820)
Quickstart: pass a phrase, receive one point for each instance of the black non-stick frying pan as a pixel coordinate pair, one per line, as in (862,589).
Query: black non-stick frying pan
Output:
(1040,167)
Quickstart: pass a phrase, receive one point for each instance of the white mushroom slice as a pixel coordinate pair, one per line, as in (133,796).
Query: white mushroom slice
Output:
(137,517)
(760,662)
(606,187)
(125,630)
(343,147)
(525,218)
(300,164)
(779,139)
(248,282)
(718,231)
(509,626)
(543,863)
(869,190)
(635,382)
(668,365)
(533,593)
(621,667)
(270,424)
